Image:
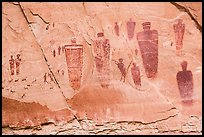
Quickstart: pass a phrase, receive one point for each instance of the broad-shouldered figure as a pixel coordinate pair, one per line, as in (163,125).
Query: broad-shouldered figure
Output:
(185,82)
(148,44)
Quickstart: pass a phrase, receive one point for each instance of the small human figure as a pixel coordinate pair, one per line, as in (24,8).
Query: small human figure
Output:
(135,71)
(179,30)
(185,82)
(58,71)
(136,52)
(63,49)
(18,61)
(54,53)
(12,62)
(59,49)
(116,29)
(45,77)
(121,67)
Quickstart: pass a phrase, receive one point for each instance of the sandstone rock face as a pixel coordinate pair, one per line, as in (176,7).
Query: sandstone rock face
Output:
(120,68)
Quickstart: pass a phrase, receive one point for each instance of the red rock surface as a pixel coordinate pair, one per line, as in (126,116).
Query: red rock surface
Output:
(42,93)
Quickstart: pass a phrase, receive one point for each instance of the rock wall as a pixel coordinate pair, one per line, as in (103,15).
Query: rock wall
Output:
(101,68)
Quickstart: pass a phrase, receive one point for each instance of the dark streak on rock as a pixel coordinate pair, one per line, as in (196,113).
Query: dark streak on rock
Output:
(147,123)
(14,3)
(35,14)
(173,108)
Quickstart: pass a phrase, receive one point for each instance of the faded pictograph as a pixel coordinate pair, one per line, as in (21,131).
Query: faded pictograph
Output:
(74,59)
(18,62)
(101,53)
(59,50)
(117,31)
(185,83)
(15,64)
(130,28)
(12,64)
(179,30)
(135,71)
(53,52)
(61,72)
(148,44)
(63,49)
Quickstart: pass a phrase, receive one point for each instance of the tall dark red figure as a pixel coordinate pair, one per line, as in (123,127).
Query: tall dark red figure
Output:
(185,82)
(74,58)
(148,44)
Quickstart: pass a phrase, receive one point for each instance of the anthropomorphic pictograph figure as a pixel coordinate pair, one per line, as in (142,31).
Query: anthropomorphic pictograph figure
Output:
(18,62)
(135,71)
(63,49)
(12,65)
(116,29)
(136,52)
(101,53)
(98,52)
(179,30)
(185,82)
(59,50)
(74,59)
(54,53)
(130,28)
(45,77)
(122,68)
(148,44)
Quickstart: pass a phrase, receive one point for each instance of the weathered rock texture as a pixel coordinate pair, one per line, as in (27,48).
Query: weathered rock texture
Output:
(41,99)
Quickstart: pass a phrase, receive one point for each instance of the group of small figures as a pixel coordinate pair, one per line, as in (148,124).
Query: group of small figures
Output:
(15,64)
(59,49)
